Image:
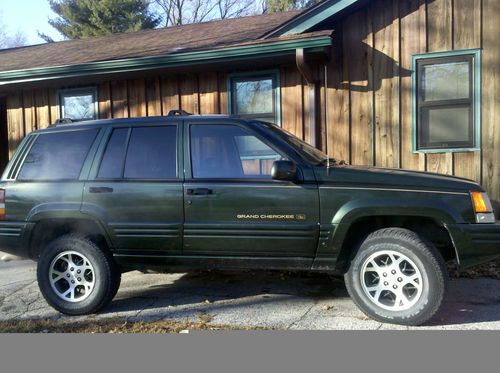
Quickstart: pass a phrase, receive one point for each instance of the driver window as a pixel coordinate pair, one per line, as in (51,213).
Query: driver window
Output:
(227,151)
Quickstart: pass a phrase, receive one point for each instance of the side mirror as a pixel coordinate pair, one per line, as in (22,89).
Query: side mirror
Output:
(284,170)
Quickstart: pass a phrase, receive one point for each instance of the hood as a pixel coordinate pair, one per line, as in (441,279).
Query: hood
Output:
(393,178)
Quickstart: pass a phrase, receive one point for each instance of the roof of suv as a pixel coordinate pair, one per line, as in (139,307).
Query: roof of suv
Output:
(142,120)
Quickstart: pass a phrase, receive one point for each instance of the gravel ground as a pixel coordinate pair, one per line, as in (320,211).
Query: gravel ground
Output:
(245,300)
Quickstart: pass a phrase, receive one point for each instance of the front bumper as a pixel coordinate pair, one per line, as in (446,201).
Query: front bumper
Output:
(475,243)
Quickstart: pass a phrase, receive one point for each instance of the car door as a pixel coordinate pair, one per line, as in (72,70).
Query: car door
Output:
(136,189)
(232,205)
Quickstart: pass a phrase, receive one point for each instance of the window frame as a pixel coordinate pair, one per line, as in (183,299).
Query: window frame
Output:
(473,56)
(245,76)
(77,92)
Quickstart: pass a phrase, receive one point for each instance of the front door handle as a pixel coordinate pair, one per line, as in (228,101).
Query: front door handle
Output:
(200,192)
(100,190)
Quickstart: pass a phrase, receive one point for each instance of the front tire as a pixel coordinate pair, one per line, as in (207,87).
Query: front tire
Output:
(397,277)
(76,277)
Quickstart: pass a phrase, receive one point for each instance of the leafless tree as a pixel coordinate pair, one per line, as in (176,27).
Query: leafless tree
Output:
(180,12)
(8,40)
(235,8)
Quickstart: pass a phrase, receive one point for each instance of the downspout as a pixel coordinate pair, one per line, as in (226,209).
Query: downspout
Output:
(312,85)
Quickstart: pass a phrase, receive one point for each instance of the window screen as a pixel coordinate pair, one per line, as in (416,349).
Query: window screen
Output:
(226,151)
(57,156)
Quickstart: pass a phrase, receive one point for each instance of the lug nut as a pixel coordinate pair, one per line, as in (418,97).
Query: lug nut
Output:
(393,271)
(395,286)
(72,281)
(79,279)
(400,279)
(67,275)
(78,271)
(386,283)
(71,269)
(385,274)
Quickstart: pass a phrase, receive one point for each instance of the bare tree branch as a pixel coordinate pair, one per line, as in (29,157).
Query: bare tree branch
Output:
(10,41)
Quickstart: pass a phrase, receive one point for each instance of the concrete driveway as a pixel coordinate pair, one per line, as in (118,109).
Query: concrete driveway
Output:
(266,299)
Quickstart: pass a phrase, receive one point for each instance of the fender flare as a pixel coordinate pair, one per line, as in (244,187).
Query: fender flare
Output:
(361,208)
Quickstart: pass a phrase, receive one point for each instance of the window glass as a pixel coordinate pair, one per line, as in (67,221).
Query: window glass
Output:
(57,156)
(450,125)
(226,151)
(152,153)
(255,97)
(78,104)
(445,102)
(114,156)
(446,81)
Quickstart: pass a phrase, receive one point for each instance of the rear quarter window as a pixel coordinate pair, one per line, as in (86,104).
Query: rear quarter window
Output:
(57,156)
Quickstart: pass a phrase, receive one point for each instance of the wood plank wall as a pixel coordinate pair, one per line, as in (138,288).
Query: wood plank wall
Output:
(369,83)
(365,89)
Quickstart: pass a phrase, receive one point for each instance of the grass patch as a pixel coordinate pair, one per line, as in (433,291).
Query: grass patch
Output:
(111,326)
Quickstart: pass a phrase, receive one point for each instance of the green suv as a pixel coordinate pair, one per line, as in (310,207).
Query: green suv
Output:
(92,200)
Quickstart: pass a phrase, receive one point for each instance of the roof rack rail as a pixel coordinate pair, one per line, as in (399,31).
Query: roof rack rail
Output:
(178,113)
(63,121)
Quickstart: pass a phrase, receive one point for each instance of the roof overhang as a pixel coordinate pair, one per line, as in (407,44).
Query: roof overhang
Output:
(312,17)
(266,48)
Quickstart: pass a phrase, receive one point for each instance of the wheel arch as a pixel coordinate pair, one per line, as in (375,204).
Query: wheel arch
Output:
(50,228)
(431,224)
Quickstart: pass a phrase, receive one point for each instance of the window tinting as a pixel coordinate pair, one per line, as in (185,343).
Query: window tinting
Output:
(226,151)
(255,97)
(57,156)
(152,153)
(445,102)
(114,156)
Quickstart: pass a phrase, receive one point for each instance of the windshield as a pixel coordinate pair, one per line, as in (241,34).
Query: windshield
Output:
(306,151)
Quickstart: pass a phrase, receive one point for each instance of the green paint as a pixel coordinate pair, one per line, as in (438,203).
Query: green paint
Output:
(265,222)
(308,20)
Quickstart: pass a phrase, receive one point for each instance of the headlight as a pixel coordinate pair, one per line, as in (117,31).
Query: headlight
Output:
(482,207)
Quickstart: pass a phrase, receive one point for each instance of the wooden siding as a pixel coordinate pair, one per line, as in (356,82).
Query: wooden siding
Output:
(364,89)
(369,86)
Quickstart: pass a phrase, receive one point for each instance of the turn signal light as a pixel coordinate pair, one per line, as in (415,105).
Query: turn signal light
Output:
(2,204)
(481,202)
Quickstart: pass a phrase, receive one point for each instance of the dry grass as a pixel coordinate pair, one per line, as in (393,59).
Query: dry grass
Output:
(111,326)
(486,270)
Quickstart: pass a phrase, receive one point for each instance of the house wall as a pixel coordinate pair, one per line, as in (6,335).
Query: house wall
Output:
(365,104)
(369,83)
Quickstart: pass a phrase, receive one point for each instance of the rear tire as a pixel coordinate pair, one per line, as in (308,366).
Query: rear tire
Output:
(397,277)
(76,277)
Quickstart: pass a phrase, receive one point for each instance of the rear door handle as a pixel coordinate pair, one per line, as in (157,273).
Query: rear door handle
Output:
(199,192)
(100,190)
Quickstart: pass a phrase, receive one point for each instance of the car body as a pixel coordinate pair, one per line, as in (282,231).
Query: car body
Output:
(166,193)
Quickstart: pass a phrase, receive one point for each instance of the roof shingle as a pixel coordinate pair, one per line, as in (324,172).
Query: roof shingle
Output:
(201,36)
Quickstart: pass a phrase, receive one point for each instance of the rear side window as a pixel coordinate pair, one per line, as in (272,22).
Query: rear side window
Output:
(57,156)
(112,162)
(149,154)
